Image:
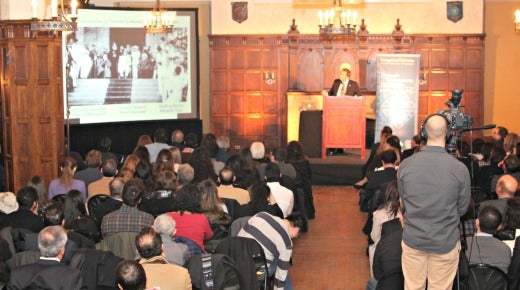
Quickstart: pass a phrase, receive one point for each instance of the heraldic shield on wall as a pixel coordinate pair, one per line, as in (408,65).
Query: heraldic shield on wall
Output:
(454,10)
(239,11)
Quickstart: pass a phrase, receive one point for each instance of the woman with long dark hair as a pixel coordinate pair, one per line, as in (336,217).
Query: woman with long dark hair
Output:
(261,200)
(296,158)
(77,219)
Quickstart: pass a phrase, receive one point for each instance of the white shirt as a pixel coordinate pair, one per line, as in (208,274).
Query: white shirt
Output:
(284,197)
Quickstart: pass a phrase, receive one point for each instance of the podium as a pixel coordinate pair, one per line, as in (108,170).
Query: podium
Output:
(343,123)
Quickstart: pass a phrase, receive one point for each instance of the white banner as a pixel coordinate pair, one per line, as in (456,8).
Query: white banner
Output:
(397,94)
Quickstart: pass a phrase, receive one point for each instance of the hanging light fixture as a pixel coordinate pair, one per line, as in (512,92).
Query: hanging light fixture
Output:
(338,21)
(59,21)
(159,21)
(517,21)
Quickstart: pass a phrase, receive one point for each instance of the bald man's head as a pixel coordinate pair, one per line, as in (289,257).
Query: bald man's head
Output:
(436,127)
(506,186)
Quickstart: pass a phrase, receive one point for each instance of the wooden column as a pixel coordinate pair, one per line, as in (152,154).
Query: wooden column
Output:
(32,103)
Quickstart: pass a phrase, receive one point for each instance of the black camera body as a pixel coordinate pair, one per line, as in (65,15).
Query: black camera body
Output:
(459,122)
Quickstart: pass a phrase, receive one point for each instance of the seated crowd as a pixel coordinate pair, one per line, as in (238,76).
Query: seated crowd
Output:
(151,214)
(490,228)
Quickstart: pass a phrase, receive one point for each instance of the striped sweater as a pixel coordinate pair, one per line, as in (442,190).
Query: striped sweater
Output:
(273,235)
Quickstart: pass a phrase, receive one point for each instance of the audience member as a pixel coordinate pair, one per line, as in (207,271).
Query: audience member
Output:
(483,247)
(486,174)
(92,172)
(77,219)
(129,167)
(190,222)
(375,149)
(161,199)
(303,179)
(505,189)
(66,180)
(200,161)
(376,180)
(274,235)
(164,162)
(387,257)
(284,197)
(499,134)
(511,166)
(278,156)
(416,144)
(223,149)
(214,209)
(8,204)
(109,171)
(433,209)
(47,272)
(144,140)
(175,253)
(178,139)
(261,200)
(185,175)
(130,275)
(43,197)
(159,273)
(112,203)
(386,211)
(176,158)
(105,144)
(142,153)
(227,190)
(160,138)
(243,177)
(191,142)
(54,217)
(258,152)
(127,218)
(27,214)
(511,144)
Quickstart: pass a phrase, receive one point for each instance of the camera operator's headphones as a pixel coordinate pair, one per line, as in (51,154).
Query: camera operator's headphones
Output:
(423,133)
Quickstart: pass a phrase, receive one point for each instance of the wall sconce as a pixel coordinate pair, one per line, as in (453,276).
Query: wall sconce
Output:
(423,79)
(269,78)
(517,21)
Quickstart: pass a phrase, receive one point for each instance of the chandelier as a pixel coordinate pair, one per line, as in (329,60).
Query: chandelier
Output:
(159,21)
(337,21)
(517,21)
(59,20)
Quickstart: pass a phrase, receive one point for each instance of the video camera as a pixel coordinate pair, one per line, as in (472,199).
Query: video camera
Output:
(459,122)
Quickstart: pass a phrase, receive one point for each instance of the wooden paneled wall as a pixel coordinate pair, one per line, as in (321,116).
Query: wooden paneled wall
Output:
(247,108)
(32,103)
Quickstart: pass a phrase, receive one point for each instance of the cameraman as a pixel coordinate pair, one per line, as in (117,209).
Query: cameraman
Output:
(435,191)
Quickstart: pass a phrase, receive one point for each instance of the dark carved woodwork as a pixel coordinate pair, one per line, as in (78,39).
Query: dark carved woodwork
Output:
(245,108)
(32,103)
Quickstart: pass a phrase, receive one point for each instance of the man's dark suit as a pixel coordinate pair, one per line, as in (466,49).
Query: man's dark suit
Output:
(104,208)
(352,88)
(45,274)
(31,244)
(24,218)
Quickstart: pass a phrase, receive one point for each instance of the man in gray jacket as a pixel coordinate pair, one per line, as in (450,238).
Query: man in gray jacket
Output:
(435,191)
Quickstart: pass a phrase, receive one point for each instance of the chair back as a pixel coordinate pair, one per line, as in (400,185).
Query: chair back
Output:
(59,198)
(486,277)
(249,257)
(120,244)
(93,202)
(216,270)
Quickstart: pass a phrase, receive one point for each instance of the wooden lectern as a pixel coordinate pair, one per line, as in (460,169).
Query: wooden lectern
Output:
(343,123)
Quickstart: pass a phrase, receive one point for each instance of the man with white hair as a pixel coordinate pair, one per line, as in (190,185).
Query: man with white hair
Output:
(175,253)
(344,86)
(47,272)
